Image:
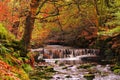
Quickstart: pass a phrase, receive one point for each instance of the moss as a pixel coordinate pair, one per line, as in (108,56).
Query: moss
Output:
(42,73)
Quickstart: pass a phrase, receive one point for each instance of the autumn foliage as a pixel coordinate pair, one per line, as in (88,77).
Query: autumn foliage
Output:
(78,23)
(7,71)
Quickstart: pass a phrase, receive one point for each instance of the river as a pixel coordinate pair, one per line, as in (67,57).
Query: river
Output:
(71,67)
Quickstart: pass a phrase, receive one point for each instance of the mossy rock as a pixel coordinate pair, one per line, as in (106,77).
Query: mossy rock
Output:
(115,67)
(42,73)
(56,62)
(90,70)
(65,67)
(49,69)
(68,76)
(85,66)
(61,64)
(117,71)
(89,76)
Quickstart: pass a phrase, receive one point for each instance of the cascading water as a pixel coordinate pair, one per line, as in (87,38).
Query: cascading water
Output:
(65,52)
(69,55)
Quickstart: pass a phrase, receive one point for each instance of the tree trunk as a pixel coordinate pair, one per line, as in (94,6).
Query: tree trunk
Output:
(29,25)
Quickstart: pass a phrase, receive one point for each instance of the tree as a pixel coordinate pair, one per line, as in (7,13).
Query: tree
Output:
(35,9)
(29,24)
(70,16)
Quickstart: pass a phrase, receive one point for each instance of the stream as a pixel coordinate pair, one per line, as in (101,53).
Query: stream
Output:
(72,72)
(68,63)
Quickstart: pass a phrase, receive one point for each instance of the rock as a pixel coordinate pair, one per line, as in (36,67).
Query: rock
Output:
(89,76)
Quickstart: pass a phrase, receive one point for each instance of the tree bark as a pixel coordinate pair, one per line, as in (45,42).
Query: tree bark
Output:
(29,24)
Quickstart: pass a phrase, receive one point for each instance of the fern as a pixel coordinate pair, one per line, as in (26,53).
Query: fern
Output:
(3,49)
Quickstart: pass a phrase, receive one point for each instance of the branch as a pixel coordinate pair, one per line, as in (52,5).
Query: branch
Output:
(54,13)
(44,18)
(42,4)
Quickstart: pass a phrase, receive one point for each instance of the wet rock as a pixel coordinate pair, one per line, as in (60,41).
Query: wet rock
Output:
(85,66)
(89,76)
(68,76)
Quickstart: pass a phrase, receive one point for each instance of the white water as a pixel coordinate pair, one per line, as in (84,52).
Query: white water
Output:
(77,74)
(71,72)
(68,59)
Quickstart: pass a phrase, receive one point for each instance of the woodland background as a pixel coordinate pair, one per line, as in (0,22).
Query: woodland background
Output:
(26,24)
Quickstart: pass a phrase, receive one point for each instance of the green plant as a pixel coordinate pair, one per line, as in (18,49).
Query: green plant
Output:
(27,67)
(3,49)
(4,34)
(110,32)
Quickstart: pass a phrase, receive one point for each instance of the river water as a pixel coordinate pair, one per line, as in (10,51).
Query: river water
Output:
(71,72)
(67,68)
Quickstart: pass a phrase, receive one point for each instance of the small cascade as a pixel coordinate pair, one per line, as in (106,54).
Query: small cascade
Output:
(66,53)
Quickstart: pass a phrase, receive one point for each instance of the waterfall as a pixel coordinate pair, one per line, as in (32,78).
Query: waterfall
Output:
(66,53)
